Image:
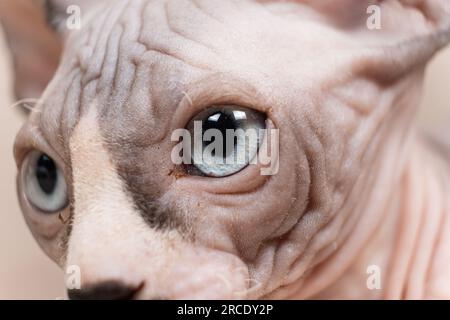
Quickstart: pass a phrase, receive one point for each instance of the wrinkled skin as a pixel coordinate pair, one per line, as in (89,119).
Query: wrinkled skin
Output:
(357,185)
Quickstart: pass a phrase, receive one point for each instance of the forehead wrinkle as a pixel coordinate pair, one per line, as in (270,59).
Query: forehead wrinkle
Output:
(117,133)
(57,121)
(125,55)
(125,62)
(61,104)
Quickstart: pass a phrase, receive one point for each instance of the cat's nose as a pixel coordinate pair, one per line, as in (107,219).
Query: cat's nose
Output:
(110,290)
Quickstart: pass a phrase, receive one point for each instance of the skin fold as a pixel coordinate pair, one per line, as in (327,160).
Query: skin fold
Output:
(357,185)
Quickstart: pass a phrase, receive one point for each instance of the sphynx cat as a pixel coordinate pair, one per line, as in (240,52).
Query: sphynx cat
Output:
(358,185)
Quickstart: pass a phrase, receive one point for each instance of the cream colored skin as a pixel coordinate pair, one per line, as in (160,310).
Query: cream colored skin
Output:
(357,184)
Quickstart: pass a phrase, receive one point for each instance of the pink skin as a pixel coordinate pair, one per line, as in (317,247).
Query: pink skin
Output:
(31,41)
(357,185)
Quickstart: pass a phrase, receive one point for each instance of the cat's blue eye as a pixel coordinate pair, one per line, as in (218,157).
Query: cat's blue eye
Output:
(44,184)
(224,139)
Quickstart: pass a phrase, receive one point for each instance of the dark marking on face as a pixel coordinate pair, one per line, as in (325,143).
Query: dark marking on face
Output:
(64,244)
(134,165)
(153,213)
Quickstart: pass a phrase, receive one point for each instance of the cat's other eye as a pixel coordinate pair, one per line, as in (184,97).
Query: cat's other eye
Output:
(44,184)
(225,139)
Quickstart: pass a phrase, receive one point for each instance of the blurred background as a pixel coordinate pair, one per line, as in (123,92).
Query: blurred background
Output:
(25,273)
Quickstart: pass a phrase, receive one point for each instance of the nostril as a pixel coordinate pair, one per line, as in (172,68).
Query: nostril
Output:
(110,290)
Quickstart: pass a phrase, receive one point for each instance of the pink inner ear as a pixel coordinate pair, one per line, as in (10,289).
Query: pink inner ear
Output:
(349,13)
(34,47)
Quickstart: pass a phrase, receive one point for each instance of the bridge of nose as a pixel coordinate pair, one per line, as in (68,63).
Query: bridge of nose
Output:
(108,237)
(110,240)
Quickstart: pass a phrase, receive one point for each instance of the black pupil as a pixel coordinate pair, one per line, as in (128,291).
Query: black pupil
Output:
(222,121)
(46,174)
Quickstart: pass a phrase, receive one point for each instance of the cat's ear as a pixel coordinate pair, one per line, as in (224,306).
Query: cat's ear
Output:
(35,48)
(398,35)
(35,31)
(66,15)
(402,17)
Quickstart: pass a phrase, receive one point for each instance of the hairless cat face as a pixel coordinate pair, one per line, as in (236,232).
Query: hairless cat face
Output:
(97,183)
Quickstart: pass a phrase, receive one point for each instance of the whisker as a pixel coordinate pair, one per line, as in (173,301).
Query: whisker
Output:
(188,98)
(28,104)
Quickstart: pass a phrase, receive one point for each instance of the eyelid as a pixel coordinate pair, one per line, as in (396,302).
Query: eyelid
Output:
(31,138)
(217,89)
